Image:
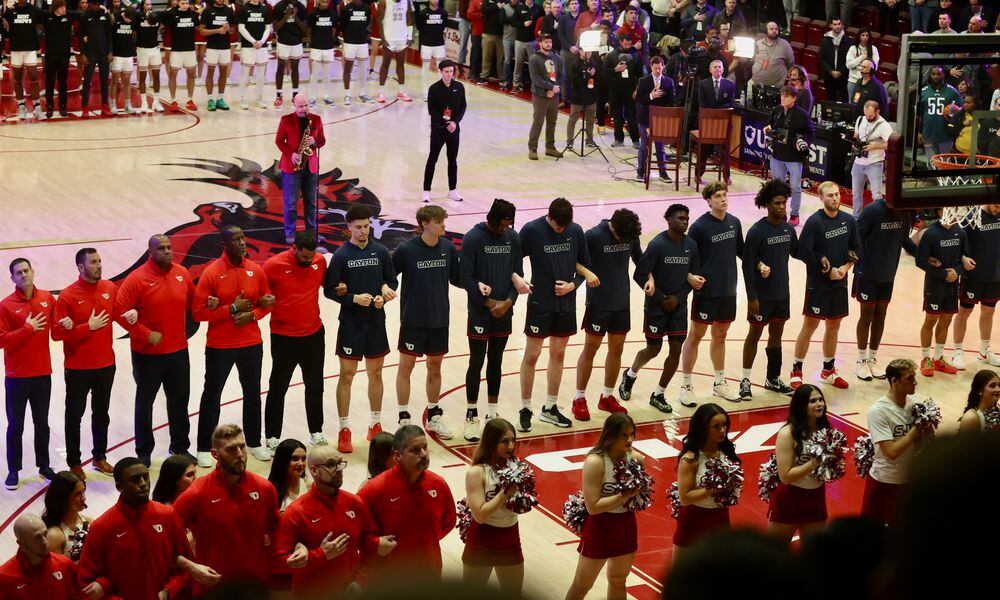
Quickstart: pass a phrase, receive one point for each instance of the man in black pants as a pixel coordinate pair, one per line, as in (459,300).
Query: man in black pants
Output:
(622,70)
(446,105)
(58,47)
(491,274)
(297,335)
(95,43)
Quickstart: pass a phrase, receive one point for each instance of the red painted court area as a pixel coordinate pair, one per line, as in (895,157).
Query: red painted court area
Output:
(557,460)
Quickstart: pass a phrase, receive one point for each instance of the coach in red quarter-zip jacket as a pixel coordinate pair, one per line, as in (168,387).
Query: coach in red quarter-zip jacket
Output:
(34,573)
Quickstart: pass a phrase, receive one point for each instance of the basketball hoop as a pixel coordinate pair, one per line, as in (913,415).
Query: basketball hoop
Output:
(963,215)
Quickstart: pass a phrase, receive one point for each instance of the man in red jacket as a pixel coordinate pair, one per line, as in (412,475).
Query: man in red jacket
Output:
(153,302)
(327,532)
(232,514)
(232,295)
(34,573)
(413,505)
(138,549)
(25,318)
(84,312)
(299,171)
(297,335)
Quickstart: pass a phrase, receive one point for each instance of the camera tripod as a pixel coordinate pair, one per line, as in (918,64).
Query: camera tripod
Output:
(583,152)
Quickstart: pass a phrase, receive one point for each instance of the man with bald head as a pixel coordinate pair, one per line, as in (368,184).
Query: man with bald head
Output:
(326,532)
(160,292)
(297,131)
(34,572)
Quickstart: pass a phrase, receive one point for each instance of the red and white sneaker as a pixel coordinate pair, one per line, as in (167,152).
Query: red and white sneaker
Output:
(344,441)
(832,377)
(278,102)
(927,366)
(795,379)
(611,405)
(381,98)
(580,410)
(373,430)
(191,105)
(941,365)
(174,107)
(402,96)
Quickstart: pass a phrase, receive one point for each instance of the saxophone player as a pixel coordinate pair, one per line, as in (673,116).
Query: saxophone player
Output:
(299,137)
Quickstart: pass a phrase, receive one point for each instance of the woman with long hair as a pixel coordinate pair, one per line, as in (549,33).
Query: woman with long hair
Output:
(380,455)
(288,471)
(856,55)
(707,438)
(609,534)
(65,501)
(798,78)
(799,501)
(493,542)
(177,474)
(984,395)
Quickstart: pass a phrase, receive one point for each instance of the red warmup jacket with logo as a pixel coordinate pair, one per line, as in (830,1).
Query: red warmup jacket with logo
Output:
(26,351)
(230,525)
(52,579)
(308,520)
(289,137)
(162,299)
(132,552)
(83,348)
(296,294)
(418,514)
(224,280)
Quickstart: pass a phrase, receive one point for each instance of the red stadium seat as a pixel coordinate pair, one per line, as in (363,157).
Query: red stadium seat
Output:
(903,26)
(866,16)
(886,72)
(888,48)
(815,31)
(810,59)
(799,26)
(797,48)
(852,32)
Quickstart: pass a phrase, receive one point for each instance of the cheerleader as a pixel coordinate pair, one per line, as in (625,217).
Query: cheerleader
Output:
(799,501)
(493,541)
(609,533)
(707,437)
(984,395)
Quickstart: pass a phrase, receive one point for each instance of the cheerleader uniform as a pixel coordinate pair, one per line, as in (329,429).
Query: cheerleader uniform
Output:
(703,517)
(75,537)
(803,501)
(497,542)
(612,533)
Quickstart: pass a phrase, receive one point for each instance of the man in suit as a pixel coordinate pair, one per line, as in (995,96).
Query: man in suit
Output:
(655,89)
(833,61)
(715,92)
(299,172)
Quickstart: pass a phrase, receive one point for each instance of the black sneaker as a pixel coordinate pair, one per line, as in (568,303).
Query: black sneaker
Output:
(745,393)
(665,178)
(47,473)
(524,420)
(12,482)
(660,403)
(625,387)
(779,386)
(404,418)
(554,417)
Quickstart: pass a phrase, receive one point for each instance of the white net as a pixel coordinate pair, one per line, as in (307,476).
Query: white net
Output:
(963,215)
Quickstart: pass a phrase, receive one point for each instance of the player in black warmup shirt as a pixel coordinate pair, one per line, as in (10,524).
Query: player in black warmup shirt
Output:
(430,23)
(355,27)
(289,25)
(491,274)
(216,23)
(182,22)
(446,105)
(21,21)
(58,24)
(95,43)
(770,242)
(322,28)
(671,260)
(254,27)
(427,262)
(719,236)
(364,267)
(556,247)
(125,23)
(148,57)
(829,247)
(610,245)
(980,286)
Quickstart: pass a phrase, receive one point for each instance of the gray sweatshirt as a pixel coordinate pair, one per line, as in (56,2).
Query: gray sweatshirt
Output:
(539,67)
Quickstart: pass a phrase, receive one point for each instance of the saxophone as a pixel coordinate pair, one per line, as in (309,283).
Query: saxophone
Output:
(305,150)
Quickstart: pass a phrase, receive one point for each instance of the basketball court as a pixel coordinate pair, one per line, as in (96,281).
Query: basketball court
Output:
(111,183)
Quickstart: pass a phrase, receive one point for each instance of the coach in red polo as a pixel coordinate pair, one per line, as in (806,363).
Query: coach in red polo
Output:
(298,172)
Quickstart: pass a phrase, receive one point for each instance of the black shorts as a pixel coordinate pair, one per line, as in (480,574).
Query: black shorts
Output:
(871,292)
(418,341)
(541,323)
(599,322)
(827,304)
(670,325)
(366,339)
(941,301)
(771,311)
(985,292)
(480,328)
(713,310)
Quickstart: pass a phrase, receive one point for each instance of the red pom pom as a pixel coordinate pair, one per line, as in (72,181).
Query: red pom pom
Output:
(516,473)
(864,455)
(768,479)
(830,446)
(724,479)
(630,474)
(674,496)
(575,512)
(464,519)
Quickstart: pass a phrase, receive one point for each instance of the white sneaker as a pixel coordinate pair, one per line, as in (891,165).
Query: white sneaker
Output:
(114,109)
(205,460)
(22,111)
(958,360)
(471,430)
(454,196)
(261,104)
(989,358)
(272,444)
(722,390)
(426,197)
(686,396)
(863,371)
(260,453)
(157,105)
(317,439)
(347,100)
(877,371)
(436,424)
(245,105)
(132,110)
(38,112)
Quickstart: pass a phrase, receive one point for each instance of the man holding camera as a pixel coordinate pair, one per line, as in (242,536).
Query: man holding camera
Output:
(791,131)
(546,71)
(622,70)
(871,136)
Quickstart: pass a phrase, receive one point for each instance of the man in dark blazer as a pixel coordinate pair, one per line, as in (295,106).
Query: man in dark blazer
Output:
(299,173)
(655,89)
(833,61)
(715,92)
